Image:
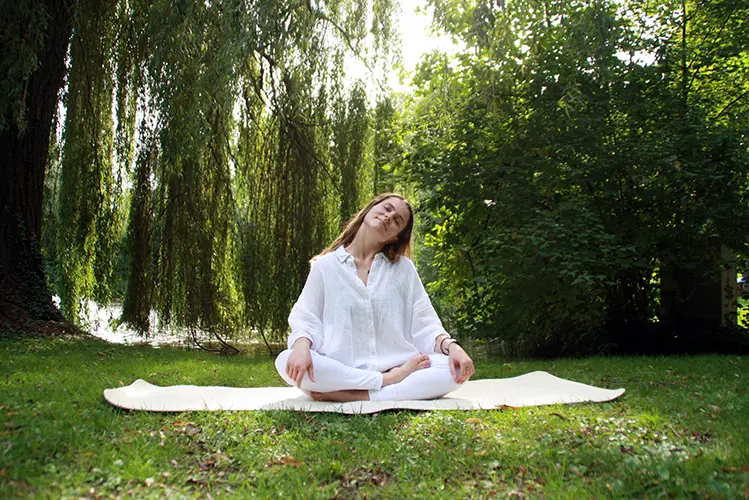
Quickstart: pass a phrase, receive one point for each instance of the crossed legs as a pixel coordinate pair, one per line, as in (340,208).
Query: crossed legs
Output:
(334,381)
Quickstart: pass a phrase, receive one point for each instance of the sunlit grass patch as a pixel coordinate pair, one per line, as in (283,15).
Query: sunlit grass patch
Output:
(680,430)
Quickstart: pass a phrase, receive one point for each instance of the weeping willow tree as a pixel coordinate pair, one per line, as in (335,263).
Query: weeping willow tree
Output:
(350,141)
(89,189)
(209,150)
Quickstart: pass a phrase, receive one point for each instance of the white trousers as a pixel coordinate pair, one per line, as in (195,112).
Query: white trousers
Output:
(331,375)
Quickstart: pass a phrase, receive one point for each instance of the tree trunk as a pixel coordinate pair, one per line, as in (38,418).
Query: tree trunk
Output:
(24,296)
(730,295)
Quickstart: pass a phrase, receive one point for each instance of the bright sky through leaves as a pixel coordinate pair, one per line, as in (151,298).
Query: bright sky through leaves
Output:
(416,40)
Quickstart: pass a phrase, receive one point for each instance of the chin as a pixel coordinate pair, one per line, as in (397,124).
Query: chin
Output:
(376,224)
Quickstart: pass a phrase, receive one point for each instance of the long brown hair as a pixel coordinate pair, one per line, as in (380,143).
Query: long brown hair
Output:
(392,251)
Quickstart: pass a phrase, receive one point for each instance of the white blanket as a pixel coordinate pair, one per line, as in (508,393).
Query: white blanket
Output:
(531,389)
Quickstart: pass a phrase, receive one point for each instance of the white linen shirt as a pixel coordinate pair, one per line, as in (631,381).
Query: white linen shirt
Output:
(375,326)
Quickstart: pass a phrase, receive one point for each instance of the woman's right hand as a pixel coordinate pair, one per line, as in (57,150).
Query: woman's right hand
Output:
(300,361)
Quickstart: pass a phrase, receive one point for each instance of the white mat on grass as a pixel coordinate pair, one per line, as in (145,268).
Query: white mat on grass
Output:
(531,389)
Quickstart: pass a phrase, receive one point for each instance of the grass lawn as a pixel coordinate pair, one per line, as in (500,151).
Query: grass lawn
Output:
(682,429)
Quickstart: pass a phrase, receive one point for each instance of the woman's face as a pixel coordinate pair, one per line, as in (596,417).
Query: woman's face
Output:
(388,218)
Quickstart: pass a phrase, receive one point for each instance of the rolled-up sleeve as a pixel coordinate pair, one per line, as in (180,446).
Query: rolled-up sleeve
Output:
(306,316)
(425,324)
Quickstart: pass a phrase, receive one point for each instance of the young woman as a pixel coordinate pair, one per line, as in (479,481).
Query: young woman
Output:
(363,327)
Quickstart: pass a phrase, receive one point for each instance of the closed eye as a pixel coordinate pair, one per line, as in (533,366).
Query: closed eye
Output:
(398,219)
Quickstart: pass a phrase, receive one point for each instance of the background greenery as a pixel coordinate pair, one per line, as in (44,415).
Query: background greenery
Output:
(579,169)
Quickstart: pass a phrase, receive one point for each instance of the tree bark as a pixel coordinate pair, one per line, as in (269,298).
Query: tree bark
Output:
(24,297)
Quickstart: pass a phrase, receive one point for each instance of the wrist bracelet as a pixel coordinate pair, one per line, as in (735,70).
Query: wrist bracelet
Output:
(442,350)
(454,342)
(442,342)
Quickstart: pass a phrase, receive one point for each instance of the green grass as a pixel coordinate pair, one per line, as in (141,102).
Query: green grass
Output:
(681,430)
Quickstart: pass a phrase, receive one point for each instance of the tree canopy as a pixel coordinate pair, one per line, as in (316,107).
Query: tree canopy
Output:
(583,163)
(208,151)
(579,169)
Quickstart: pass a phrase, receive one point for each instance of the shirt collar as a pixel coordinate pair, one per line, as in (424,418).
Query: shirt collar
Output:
(342,254)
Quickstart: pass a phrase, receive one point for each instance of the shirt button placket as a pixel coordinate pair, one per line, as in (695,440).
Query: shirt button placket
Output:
(372,348)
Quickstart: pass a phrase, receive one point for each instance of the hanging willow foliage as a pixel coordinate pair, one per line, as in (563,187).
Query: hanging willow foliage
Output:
(90,223)
(222,151)
(350,138)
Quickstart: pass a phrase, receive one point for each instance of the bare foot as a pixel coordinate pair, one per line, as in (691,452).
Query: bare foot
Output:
(341,396)
(397,374)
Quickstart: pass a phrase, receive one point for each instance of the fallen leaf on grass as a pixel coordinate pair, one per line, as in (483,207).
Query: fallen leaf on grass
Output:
(190,430)
(735,469)
(355,479)
(285,460)
(479,453)
(196,480)
(700,437)
(207,465)
(380,480)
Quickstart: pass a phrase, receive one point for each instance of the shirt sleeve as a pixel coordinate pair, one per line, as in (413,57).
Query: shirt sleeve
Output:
(425,324)
(306,316)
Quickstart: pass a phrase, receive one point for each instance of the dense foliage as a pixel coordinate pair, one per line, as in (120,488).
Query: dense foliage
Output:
(584,163)
(579,169)
(208,151)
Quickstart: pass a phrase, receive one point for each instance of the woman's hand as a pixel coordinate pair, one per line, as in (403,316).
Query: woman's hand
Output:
(300,361)
(461,364)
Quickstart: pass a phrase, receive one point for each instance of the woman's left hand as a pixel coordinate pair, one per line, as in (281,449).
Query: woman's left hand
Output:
(461,364)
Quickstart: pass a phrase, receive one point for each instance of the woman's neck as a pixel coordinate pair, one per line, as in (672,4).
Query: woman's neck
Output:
(364,246)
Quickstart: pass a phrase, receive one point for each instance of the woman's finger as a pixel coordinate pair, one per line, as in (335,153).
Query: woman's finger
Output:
(463,372)
(468,370)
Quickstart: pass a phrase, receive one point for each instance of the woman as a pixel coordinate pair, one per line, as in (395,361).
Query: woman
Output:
(363,327)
